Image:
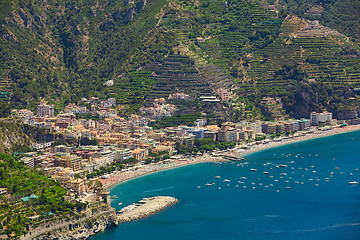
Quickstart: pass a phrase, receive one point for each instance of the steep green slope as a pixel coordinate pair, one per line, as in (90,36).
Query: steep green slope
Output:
(21,181)
(343,15)
(66,50)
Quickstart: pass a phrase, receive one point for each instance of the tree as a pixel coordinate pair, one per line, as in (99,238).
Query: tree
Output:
(4,109)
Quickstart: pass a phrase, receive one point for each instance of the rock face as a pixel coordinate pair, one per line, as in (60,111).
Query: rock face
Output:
(347,114)
(144,208)
(82,230)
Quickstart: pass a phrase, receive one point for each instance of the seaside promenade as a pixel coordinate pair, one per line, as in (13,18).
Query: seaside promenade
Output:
(241,150)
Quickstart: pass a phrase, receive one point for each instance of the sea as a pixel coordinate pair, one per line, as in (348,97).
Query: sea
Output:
(296,191)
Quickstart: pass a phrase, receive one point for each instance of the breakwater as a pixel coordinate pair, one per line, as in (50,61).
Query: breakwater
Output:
(144,208)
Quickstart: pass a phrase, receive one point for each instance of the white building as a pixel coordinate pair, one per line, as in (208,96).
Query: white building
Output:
(317,118)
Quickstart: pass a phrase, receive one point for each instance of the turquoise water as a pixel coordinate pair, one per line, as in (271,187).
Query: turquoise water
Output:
(272,206)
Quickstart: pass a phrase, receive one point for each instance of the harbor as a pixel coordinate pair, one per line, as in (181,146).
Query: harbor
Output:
(144,208)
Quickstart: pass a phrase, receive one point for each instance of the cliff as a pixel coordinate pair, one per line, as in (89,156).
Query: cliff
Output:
(73,230)
(14,136)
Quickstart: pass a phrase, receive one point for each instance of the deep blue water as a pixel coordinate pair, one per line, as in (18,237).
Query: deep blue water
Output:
(328,210)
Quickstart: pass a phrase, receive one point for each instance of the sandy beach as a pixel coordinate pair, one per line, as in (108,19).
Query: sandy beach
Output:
(118,177)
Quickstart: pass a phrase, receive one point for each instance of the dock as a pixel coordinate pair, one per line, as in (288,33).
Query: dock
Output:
(228,157)
(144,208)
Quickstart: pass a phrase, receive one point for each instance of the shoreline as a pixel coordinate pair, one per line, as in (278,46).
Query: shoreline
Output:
(118,178)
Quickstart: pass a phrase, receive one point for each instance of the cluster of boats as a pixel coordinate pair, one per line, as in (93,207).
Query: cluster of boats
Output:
(283,176)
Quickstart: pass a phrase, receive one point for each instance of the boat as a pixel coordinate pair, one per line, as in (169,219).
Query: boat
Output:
(353,183)
(115,196)
(253,170)
(288,187)
(217,177)
(266,173)
(208,184)
(120,203)
(226,180)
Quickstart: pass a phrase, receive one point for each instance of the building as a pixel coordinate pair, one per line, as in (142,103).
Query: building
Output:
(210,134)
(317,118)
(227,135)
(246,135)
(188,140)
(197,132)
(179,96)
(71,161)
(200,122)
(123,154)
(3,191)
(140,153)
(45,110)
(28,161)
(62,149)
(162,148)
(78,185)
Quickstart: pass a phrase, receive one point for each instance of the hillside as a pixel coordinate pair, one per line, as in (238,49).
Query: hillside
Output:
(342,15)
(18,210)
(67,50)
(64,51)
(16,137)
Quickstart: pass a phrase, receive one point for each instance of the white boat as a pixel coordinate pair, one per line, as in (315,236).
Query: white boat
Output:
(226,180)
(266,173)
(288,187)
(208,184)
(217,177)
(120,203)
(253,170)
(353,183)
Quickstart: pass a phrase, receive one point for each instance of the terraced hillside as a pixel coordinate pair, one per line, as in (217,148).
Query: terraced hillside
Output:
(176,74)
(325,56)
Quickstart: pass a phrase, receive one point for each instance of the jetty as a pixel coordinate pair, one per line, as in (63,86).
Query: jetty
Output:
(227,157)
(144,208)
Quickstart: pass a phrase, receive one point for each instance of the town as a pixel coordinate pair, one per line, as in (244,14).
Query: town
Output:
(99,142)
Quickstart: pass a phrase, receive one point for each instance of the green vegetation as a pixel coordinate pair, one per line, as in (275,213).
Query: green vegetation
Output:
(176,120)
(69,50)
(22,182)
(4,109)
(343,15)
(203,145)
(78,46)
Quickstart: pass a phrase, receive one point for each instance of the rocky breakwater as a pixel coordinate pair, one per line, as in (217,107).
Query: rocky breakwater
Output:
(144,208)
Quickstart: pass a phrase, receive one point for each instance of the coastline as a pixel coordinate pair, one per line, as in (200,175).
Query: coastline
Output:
(119,177)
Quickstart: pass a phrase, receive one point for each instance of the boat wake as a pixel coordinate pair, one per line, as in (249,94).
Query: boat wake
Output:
(157,190)
(340,225)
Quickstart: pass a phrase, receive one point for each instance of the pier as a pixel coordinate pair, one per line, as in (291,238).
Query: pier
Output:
(227,157)
(144,208)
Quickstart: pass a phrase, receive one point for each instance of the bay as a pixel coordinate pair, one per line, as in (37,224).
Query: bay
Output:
(305,195)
